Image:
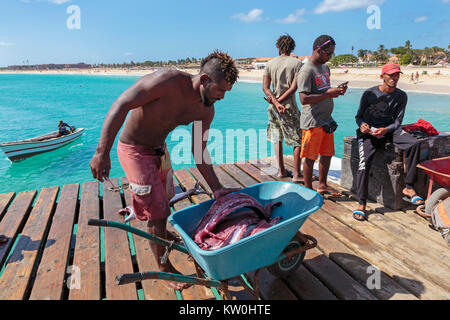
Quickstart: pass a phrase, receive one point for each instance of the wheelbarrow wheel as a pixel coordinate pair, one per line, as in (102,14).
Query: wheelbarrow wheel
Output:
(286,267)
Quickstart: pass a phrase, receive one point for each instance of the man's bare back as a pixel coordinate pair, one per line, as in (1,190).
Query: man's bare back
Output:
(179,104)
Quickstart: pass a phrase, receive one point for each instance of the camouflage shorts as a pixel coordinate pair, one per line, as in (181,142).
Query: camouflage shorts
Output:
(285,126)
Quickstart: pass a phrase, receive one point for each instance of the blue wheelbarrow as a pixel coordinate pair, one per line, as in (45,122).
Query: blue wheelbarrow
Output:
(280,248)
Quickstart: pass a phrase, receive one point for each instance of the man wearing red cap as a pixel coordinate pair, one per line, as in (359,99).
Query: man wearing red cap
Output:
(379,119)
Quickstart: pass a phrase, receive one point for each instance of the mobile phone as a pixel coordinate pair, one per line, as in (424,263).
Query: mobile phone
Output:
(344,84)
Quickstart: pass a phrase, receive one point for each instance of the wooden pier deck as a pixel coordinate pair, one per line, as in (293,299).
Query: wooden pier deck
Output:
(53,254)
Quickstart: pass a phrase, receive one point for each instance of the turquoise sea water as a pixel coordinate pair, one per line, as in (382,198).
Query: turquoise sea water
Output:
(32,105)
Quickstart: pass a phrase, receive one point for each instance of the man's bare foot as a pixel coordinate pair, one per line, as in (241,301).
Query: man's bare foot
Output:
(171,236)
(360,213)
(286,174)
(325,190)
(412,197)
(298,179)
(173,284)
(3,239)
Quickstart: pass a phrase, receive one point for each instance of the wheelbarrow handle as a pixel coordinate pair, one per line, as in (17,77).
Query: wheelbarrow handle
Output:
(98,222)
(140,276)
(146,235)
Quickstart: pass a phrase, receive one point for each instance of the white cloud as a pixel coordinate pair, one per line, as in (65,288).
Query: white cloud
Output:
(49,1)
(344,5)
(6,44)
(128,54)
(59,1)
(296,17)
(420,19)
(253,16)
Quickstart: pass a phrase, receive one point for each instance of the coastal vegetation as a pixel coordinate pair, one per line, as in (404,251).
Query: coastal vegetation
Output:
(403,55)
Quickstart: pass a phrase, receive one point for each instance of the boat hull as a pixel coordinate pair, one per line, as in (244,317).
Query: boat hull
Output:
(18,151)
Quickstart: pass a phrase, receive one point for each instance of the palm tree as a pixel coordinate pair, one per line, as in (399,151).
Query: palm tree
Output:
(408,45)
(381,54)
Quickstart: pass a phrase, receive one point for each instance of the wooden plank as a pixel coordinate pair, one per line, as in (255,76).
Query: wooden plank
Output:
(255,173)
(20,265)
(266,166)
(307,286)
(239,175)
(271,287)
(194,171)
(153,289)
(411,222)
(422,265)
(87,246)
(377,255)
(336,279)
(49,282)
(5,200)
(393,266)
(355,265)
(14,218)
(187,182)
(225,180)
(117,251)
(416,241)
(396,268)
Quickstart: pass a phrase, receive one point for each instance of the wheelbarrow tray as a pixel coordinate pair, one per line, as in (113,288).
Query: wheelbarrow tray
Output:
(259,250)
(438,170)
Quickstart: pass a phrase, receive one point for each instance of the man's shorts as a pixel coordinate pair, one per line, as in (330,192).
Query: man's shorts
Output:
(151,181)
(317,142)
(284,126)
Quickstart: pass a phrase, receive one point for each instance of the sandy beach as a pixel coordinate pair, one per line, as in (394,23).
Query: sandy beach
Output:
(357,77)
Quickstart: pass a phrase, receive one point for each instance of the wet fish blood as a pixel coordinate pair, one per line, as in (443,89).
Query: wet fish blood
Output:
(222,225)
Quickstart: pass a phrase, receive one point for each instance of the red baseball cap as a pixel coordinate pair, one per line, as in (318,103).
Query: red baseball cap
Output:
(391,68)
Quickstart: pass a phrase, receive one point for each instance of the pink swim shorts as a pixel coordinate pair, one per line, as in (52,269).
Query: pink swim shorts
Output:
(150,178)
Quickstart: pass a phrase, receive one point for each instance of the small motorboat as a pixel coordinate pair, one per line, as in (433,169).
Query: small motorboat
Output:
(19,150)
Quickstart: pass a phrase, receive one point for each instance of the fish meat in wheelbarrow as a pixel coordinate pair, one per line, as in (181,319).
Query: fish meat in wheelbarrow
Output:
(222,225)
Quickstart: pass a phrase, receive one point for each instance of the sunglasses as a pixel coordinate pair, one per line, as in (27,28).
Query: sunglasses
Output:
(326,51)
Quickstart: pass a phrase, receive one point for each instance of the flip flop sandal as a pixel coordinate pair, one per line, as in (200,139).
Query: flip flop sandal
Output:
(331,193)
(414,200)
(287,175)
(357,215)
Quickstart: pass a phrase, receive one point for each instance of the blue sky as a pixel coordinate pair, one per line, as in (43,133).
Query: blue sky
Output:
(116,31)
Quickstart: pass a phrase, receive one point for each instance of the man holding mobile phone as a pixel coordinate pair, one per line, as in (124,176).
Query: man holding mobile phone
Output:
(379,119)
(316,96)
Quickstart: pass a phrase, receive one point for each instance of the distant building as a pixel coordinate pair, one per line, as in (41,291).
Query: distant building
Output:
(394,59)
(243,63)
(260,63)
(366,58)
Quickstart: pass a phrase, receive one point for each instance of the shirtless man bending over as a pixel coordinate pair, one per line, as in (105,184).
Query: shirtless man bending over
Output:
(158,103)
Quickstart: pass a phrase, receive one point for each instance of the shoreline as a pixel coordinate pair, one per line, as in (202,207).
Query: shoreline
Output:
(359,78)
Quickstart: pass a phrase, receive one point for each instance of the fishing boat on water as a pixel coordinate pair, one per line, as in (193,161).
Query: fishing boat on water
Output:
(19,150)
